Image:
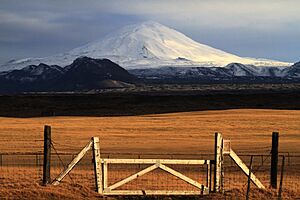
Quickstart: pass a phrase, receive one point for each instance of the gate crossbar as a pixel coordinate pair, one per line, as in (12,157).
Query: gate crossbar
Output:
(154,161)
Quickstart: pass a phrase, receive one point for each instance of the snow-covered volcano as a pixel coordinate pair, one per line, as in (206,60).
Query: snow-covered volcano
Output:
(147,45)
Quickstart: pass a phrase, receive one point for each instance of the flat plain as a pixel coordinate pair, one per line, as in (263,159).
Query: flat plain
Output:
(184,132)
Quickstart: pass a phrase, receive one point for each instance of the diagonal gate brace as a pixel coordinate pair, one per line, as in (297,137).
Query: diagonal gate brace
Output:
(72,164)
(245,169)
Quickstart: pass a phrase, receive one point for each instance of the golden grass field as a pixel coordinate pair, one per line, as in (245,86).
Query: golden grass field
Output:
(175,133)
(190,132)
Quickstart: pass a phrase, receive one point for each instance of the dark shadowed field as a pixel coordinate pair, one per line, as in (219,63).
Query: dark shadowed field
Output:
(153,99)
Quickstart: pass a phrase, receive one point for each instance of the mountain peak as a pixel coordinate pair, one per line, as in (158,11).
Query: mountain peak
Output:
(147,44)
(150,23)
(141,25)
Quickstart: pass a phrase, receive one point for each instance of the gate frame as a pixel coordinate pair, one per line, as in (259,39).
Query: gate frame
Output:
(222,147)
(155,164)
(101,173)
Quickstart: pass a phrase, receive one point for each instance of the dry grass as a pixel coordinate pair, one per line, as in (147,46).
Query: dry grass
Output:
(186,133)
(190,132)
(23,185)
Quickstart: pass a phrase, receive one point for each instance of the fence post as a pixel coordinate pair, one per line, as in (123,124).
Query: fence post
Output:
(218,162)
(281,178)
(249,178)
(47,155)
(97,165)
(274,159)
(210,172)
(208,176)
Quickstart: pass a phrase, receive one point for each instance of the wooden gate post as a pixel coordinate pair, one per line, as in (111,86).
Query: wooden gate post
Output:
(274,159)
(47,155)
(218,162)
(97,165)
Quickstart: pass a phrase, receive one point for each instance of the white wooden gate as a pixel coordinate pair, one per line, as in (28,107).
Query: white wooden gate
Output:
(101,173)
(222,147)
(154,164)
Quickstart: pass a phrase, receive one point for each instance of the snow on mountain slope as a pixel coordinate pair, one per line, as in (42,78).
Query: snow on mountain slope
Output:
(239,69)
(292,72)
(147,45)
(34,73)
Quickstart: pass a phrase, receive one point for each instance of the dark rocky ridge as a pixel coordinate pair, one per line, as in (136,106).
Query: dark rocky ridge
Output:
(83,74)
(293,71)
(86,74)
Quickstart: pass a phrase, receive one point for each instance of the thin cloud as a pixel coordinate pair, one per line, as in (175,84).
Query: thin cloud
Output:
(233,14)
(247,28)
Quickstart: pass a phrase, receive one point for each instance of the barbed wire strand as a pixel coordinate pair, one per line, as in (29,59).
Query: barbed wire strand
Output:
(61,162)
(65,145)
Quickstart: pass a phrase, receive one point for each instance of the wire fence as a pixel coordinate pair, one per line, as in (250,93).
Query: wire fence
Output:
(236,179)
(28,167)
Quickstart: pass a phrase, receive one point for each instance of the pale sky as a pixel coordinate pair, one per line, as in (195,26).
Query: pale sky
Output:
(257,28)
